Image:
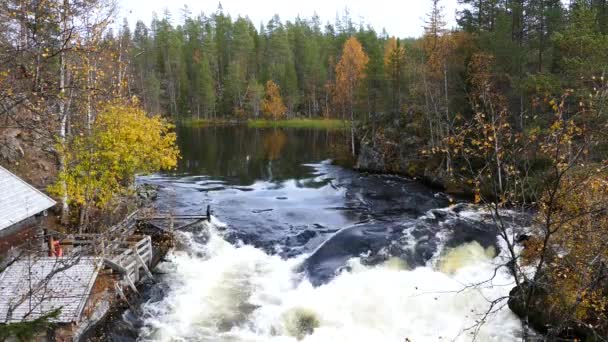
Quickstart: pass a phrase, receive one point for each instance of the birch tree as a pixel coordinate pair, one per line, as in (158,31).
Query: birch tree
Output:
(350,70)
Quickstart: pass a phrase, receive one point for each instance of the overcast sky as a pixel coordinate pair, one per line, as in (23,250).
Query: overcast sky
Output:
(402,18)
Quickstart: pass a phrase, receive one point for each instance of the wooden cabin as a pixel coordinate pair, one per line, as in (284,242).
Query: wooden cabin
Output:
(55,289)
(21,208)
(76,290)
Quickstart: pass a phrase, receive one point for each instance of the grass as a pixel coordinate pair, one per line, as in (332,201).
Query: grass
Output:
(204,122)
(299,123)
(317,123)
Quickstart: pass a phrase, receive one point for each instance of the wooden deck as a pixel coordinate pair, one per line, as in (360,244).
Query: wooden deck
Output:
(124,252)
(119,247)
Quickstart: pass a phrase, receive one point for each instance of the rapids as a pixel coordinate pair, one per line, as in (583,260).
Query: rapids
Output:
(222,292)
(309,251)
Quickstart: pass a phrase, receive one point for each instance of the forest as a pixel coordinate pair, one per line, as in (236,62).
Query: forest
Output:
(216,66)
(507,109)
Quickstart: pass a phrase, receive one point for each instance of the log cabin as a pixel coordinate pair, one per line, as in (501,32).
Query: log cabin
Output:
(21,209)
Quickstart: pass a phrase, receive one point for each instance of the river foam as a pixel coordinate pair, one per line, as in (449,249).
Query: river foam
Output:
(218,291)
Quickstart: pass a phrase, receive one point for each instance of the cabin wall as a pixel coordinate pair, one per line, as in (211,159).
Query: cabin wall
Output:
(19,234)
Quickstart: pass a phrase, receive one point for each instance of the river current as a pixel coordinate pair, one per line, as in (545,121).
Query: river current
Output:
(303,250)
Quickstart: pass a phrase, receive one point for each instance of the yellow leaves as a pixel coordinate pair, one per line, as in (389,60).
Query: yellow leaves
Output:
(477,197)
(553,105)
(273,105)
(557,125)
(350,70)
(124,142)
(579,225)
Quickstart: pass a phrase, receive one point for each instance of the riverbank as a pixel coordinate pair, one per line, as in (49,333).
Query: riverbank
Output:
(299,123)
(404,156)
(406,160)
(316,123)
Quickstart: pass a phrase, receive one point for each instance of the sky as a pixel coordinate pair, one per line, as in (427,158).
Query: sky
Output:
(401,18)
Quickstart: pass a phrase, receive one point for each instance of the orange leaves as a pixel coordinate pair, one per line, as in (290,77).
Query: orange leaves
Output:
(349,71)
(272,104)
(477,197)
(484,94)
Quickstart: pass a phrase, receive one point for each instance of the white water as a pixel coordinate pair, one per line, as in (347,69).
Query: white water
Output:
(222,292)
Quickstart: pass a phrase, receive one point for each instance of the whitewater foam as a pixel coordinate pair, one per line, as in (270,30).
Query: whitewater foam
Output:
(240,293)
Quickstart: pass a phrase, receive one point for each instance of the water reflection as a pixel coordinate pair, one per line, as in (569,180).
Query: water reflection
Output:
(242,155)
(273,144)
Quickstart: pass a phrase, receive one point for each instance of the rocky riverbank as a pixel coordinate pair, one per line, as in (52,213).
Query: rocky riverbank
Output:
(406,159)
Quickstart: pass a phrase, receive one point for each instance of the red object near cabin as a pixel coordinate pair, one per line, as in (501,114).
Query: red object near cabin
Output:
(57,250)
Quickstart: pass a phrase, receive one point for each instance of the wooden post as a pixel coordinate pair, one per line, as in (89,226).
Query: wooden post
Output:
(51,241)
(131,283)
(142,263)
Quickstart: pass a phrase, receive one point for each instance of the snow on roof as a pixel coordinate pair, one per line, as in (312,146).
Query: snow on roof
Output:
(19,200)
(56,283)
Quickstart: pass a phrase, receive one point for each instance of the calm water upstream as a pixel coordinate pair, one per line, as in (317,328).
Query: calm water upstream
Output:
(316,252)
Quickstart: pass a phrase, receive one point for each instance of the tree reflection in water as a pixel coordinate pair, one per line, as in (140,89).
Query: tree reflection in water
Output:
(242,155)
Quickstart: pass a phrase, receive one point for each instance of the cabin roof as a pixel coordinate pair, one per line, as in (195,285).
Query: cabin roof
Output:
(57,283)
(19,200)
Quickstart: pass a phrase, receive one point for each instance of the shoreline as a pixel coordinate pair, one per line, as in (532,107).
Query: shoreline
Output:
(314,123)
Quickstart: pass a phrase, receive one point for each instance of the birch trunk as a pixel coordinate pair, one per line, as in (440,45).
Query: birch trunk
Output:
(63,116)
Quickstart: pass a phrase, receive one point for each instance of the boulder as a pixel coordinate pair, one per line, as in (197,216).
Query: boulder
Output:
(10,147)
(369,159)
(541,318)
(147,192)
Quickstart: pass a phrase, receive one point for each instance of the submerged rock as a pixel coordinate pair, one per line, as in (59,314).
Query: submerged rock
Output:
(413,240)
(349,242)
(300,322)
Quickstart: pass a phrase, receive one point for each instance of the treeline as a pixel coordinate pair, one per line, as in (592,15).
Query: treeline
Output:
(216,66)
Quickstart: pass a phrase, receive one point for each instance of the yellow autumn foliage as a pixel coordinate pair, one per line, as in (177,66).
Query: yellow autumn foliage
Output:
(273,105)
(124,142)
(350,70)
(575,272)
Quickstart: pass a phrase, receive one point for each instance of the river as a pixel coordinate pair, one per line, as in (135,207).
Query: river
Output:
(311,251)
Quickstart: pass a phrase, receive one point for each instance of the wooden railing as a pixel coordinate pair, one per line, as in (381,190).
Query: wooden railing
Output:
(119,248)
(134,259)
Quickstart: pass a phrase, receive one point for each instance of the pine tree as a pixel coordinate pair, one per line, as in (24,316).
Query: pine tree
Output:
(394,62)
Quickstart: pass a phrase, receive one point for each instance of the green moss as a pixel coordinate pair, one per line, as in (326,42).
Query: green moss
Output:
(299,123)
